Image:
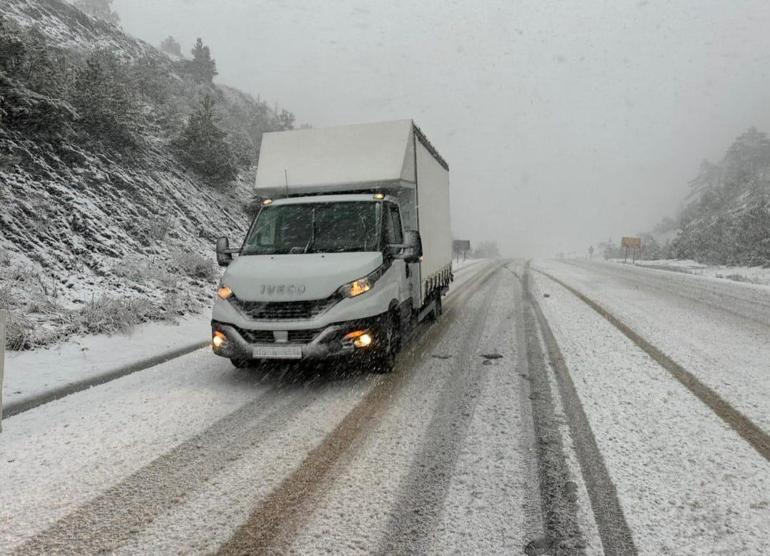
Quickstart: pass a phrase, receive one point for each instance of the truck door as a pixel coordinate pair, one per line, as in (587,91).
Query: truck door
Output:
(409,281)
(407,207)
(394,235)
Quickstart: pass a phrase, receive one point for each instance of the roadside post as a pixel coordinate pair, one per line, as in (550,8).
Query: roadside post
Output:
(3,318)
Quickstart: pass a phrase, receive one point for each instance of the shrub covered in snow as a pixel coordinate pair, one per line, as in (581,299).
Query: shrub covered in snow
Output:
(107,315)
(138,289)
(194,265)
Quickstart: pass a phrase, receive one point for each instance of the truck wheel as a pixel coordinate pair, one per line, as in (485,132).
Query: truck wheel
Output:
(385,357)
(437,308)
(240,362)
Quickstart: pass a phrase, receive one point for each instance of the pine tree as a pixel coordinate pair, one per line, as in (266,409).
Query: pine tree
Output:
(100,9)
(202,67)
(203,147)
(103,100)
(746,162)
(169,45)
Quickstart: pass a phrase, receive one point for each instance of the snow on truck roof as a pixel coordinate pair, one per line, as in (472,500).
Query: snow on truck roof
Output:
(361,156)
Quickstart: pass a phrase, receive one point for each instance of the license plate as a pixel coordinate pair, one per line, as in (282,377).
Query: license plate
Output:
(277,352)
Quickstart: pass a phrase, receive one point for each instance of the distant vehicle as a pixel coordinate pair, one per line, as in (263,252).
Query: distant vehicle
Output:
(351,247)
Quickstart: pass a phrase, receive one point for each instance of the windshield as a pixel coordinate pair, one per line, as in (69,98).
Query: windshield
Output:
(314,228)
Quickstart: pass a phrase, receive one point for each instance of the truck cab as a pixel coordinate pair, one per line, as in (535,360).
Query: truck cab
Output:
(318,276)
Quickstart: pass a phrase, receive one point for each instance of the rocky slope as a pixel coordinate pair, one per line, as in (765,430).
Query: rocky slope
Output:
(95,238)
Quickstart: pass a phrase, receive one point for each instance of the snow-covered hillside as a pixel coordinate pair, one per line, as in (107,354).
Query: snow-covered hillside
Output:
(68,27)
(726,220)
(94,239)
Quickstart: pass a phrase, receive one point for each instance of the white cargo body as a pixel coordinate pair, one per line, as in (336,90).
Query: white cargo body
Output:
(350,249)
(394,158)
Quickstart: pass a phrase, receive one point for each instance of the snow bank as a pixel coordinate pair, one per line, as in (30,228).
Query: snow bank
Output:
(750,274)
(32,373)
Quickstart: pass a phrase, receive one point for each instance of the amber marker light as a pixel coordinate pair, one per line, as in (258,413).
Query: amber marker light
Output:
(224,292)
(218,340)
(360,338)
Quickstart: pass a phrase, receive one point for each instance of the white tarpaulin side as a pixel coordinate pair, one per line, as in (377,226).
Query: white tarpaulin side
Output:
(316,160)
(433,214)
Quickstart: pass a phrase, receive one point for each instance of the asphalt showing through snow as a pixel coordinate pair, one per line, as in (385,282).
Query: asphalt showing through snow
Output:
(422,493)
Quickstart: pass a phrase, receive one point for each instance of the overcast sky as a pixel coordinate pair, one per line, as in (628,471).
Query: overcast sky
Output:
(564,122)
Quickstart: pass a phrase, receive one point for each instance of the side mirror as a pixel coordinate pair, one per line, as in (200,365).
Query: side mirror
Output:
(224,253)
(410,250)
(412,246)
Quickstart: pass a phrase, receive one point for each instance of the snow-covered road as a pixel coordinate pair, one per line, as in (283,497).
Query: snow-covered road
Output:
(473,445)
(687,481)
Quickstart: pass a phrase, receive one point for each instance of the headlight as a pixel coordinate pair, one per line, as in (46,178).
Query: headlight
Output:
(224,292)
(356,287)
(362,285)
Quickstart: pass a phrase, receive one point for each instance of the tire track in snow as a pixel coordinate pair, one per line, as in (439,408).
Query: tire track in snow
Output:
(559,509)
(422,494)
(270,528)
(559,504)
(747,429)
(106,522)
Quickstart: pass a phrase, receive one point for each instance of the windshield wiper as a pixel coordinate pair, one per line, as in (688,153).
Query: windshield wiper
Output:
(309,247)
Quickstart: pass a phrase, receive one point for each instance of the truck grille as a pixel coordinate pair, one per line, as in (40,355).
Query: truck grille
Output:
(284,310)
(267,337)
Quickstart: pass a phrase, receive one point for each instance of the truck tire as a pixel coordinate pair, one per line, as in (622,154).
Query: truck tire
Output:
(437,307)
(385,357)
(240,362)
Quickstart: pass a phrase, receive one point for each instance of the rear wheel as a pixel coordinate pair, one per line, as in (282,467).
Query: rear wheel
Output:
(437,307)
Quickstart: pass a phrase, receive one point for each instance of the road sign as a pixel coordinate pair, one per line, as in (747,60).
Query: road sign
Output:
(461,247)
(631,242)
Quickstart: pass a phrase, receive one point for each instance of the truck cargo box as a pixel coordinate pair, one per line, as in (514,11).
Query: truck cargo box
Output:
(394,158)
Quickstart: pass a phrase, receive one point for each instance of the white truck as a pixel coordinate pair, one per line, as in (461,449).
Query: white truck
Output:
(350,249)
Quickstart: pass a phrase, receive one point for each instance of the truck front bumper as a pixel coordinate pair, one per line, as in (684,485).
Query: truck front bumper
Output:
(326,343)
